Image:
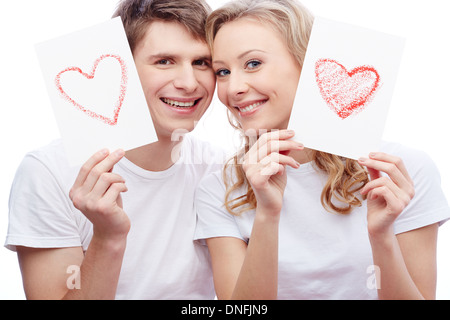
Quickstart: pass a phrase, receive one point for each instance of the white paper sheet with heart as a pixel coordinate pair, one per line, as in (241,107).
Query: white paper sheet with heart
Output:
(345,88)
(95,91)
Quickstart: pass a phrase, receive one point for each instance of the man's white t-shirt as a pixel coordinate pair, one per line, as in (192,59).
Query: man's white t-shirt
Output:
(323,255)
(161,259)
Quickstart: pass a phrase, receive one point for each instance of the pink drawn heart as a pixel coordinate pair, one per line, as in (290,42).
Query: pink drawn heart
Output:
(123,88)
(346,92)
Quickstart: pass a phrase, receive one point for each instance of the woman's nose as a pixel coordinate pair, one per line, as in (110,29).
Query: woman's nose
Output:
(237,85)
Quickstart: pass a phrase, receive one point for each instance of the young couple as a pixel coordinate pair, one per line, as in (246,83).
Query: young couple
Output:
(320,225)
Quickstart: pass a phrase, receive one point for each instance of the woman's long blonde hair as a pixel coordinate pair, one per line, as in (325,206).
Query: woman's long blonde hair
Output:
(294,22)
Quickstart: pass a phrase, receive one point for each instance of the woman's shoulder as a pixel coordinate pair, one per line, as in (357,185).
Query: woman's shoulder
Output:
(416,161)
(401,150)
(429,204)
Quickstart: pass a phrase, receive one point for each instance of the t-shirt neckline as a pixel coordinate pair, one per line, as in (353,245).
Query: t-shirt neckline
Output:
(154,175)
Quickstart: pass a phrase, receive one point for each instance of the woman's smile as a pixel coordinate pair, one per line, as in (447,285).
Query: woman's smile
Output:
(249,108)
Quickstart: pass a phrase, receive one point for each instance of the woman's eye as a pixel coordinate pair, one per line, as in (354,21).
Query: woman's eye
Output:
(222,72)
(253,64)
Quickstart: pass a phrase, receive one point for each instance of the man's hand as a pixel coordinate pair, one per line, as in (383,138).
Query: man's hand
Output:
(96,193)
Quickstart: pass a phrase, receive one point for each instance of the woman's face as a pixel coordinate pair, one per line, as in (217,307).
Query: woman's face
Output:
(257,76)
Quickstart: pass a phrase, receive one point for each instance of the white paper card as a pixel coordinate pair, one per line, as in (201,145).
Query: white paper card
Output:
(345,88)
(95,91)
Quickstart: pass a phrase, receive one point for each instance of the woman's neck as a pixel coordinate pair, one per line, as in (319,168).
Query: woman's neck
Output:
(302,156)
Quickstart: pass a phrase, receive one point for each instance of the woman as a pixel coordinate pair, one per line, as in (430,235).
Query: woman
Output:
(321,226)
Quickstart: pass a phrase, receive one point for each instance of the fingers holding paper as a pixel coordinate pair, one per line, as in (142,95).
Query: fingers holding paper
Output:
(97,194)
(387,196)
(264,165)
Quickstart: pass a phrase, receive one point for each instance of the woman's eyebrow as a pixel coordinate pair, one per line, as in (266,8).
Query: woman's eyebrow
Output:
(250,51)
(241,55)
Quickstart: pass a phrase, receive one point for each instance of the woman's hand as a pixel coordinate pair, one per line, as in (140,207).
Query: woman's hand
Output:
(96,193)
(264,165)
(387,197)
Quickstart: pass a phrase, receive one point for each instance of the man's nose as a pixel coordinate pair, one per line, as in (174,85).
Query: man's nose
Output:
(186,79)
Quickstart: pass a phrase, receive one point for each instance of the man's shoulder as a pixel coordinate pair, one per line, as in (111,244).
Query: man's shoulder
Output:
(52,151)
(51,157)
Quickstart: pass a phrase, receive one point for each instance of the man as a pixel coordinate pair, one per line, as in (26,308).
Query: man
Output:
(124,229)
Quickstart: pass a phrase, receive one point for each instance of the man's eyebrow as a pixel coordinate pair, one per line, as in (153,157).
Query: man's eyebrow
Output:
(162,55)
(172,56)
(241,55)
(209,58)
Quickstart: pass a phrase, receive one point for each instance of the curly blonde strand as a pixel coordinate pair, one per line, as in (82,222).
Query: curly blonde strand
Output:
(345,178)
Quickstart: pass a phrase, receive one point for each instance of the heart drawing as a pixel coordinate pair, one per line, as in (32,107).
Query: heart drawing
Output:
(346,92)
(122,91)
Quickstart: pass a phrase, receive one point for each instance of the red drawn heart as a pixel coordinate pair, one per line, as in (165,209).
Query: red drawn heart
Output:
(123,88)
(346,93)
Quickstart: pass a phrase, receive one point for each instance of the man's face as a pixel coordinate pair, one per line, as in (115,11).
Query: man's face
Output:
(176,75)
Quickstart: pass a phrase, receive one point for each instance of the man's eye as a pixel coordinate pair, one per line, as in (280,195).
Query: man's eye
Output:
(163,62)
(201,63)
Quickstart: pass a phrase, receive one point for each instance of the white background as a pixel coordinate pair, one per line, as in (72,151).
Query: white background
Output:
(418,117)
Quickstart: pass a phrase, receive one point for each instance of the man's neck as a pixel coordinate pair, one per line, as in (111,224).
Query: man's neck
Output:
(158,156)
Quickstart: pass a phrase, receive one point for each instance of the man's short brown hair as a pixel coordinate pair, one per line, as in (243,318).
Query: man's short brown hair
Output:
(138,14)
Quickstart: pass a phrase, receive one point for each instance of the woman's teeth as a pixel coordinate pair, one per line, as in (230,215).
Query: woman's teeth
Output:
(179,104)
(251,107)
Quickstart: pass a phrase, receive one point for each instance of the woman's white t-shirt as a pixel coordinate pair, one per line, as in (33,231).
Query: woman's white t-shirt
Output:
(323,255)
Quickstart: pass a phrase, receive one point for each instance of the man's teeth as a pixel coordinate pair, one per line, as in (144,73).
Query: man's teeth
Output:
(179,104)
(251,107)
